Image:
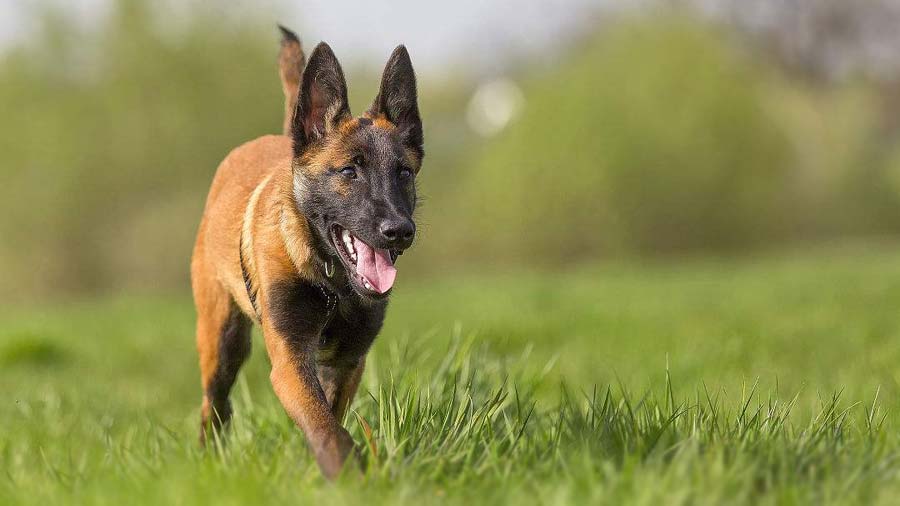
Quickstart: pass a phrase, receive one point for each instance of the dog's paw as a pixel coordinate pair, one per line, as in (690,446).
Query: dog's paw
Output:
(333,453)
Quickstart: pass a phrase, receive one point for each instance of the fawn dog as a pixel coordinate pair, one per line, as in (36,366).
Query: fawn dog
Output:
(300,235)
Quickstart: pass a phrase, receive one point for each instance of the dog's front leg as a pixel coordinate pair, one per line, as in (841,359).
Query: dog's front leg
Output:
(292,331)
(297,386)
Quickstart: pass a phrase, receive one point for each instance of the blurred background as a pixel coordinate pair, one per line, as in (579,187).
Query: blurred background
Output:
(557,133)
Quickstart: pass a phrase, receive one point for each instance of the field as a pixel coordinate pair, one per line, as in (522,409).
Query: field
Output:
(765,380)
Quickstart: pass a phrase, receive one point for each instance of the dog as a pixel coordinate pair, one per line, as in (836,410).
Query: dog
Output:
(300,235)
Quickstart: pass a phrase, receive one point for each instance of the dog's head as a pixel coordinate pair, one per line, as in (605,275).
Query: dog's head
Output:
(355,178)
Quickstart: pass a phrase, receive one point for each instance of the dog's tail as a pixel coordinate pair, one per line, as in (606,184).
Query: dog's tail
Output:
(291,61)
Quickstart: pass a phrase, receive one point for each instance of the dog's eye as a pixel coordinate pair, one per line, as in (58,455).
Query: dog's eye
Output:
(404,173)
(348,172)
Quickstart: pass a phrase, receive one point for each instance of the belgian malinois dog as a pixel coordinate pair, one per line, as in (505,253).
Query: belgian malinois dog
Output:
(300,235)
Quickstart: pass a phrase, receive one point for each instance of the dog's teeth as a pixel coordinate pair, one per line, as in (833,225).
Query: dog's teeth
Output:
(366,284)
(346,236)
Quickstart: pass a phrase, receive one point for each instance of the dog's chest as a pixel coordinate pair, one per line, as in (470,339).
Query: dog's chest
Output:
(350,331)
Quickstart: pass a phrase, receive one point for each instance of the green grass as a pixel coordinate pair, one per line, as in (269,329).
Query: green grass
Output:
(770,380)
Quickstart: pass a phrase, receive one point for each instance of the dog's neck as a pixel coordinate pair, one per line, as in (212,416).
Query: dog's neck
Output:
(305,245)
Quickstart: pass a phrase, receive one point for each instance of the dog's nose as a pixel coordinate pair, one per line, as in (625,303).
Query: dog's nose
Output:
(399,232)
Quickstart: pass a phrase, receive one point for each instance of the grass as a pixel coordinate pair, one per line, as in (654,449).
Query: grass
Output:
(770,380)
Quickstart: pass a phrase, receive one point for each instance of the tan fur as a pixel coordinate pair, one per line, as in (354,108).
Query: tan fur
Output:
(383,123)
(251,238)
(379,121)
(252,195)
(291,61)
(216,257)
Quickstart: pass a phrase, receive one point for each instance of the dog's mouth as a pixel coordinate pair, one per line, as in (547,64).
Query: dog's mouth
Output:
(371,270)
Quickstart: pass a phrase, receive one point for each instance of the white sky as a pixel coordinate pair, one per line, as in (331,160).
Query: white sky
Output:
(482,33)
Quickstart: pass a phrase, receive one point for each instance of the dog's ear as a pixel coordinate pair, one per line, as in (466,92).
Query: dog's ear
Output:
(397,99)
(322,103)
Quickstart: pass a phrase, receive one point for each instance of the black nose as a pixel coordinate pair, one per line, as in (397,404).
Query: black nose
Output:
(398,232)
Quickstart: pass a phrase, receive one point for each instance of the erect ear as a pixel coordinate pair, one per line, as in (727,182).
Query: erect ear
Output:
(322,103)
(397,99)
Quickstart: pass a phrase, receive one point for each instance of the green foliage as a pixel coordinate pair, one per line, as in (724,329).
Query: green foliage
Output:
(656,135)
(652,138)
(110,140)
(700,384)
(839,176)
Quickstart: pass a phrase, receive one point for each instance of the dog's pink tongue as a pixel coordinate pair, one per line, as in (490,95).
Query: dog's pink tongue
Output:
(375,265)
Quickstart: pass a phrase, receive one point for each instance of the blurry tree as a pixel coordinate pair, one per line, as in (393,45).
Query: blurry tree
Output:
(653,138)
(837,45)
(822,39)
(658,133)
(110,138)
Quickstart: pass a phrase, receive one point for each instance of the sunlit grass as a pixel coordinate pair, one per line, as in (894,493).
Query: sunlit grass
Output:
(481,390)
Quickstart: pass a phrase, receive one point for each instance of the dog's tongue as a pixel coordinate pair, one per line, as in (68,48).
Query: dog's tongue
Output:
(375,265)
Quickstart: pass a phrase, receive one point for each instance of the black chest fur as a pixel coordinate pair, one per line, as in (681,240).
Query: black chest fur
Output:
(338,328)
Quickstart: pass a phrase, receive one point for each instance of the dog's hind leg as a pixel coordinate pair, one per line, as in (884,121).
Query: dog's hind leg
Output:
(223,341)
